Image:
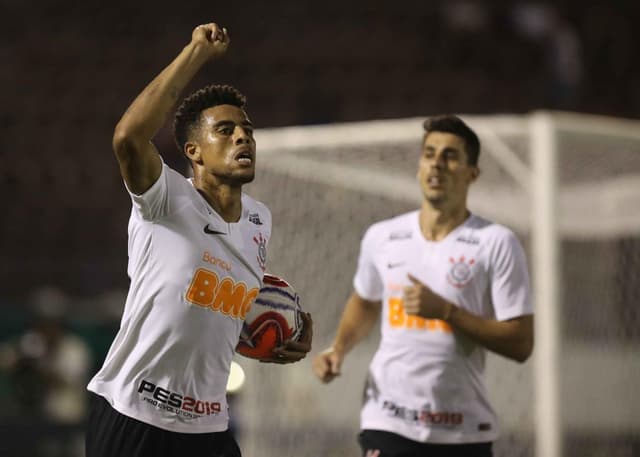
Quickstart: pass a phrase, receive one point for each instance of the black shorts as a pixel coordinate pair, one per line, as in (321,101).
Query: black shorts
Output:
(378,443)
(111,434)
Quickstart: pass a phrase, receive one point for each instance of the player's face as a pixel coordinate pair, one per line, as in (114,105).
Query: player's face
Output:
(444,171)
(226,144)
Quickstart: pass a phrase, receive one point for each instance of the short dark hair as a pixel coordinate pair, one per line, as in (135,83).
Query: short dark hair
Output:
(449,123)
(188,114)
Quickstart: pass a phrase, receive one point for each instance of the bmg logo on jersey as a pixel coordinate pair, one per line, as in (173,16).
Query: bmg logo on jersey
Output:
(398,318)
(460,272)
(178,403)
(224,296)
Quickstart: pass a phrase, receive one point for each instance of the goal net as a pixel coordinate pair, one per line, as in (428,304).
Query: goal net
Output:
(326,184)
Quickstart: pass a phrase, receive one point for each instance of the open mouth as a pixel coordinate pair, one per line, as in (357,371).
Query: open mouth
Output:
(244,157)
(435,181)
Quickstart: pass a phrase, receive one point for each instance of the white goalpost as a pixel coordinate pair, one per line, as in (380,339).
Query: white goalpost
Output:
(568,184)
(545,243)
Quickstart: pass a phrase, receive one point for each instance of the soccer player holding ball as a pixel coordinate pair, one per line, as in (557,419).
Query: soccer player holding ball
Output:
(448,285)
(197,253)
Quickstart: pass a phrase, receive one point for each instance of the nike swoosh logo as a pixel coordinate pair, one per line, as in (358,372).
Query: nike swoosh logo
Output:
(395,265)
(209,231)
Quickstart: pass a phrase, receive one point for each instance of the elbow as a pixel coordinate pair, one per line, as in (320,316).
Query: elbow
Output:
(121,140)
(124,142)
(525,350)
(523,339)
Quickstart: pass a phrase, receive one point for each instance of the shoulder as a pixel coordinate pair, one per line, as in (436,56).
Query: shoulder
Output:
(501,242)
(170,193)
(491,231)
(177,179)
(173,182)
(252,204)
(257,212)
(397,228)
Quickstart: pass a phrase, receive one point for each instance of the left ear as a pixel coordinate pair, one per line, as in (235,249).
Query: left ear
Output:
(475,172)
(192,151)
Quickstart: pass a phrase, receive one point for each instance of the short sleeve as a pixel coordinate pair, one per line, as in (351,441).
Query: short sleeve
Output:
(163,196)
(510,285)
(367,281)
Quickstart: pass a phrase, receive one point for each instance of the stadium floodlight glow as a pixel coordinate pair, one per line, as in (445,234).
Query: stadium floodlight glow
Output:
(236,378)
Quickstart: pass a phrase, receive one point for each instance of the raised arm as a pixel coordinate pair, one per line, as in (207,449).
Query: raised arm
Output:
(140,164)
(357,320)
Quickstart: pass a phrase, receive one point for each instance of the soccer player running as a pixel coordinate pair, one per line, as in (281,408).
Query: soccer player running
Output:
(197,253)
(448,285)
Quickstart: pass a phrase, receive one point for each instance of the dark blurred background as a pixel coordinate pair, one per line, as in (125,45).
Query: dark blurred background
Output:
(70,69)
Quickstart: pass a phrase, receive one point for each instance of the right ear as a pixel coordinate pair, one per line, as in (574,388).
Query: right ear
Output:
(192,151)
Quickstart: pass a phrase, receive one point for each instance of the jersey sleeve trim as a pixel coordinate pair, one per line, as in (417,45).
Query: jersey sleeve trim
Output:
(152,203)
(367,281)
(510,285)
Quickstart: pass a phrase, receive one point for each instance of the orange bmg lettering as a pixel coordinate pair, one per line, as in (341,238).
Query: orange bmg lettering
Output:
(226,296)
(398,318)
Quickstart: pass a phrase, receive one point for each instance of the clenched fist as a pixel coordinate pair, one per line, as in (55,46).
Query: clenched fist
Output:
(213,38)
(327,364)
(420,300)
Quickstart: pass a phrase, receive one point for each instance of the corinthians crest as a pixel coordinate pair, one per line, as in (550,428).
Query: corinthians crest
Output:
(460,272)
(262,250)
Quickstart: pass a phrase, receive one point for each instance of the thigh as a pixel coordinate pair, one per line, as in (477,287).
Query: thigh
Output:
(471,450)
(452,450)
(378,443)
(111,434)
(221,444)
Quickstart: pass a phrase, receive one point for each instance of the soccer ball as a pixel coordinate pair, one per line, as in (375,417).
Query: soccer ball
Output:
(275,316)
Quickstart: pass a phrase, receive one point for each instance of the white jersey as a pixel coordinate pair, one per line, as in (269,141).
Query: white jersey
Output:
(425,382)
(193,279)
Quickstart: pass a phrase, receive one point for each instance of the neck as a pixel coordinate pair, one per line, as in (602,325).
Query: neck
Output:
(225,199)
(437,223)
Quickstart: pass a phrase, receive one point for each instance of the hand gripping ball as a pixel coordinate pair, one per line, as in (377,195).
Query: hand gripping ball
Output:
(275,316)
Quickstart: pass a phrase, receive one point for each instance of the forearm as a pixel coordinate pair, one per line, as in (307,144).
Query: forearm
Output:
(357,320)
(512,338)
(148,112)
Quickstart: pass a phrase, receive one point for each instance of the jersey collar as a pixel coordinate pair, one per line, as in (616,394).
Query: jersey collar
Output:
(215,220)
